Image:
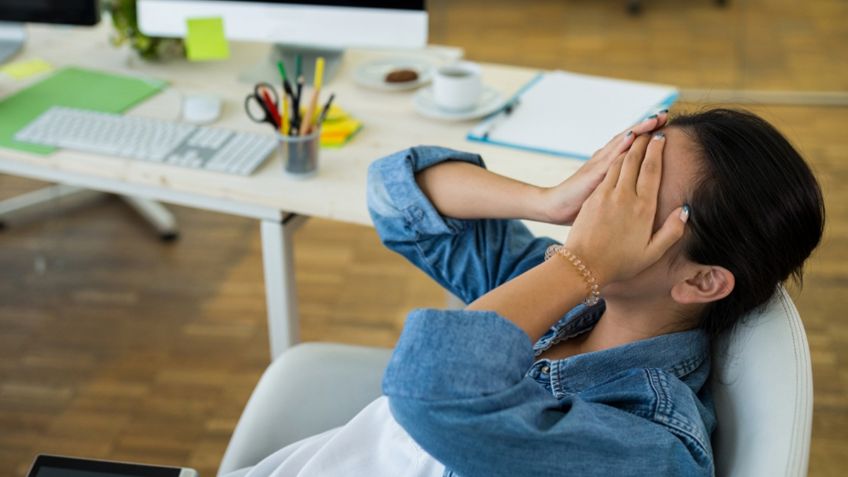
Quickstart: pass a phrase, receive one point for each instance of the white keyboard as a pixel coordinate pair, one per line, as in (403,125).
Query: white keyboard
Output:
(146,139)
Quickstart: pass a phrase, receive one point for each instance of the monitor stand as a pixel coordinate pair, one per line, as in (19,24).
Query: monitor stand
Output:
(267,69)
(12,38)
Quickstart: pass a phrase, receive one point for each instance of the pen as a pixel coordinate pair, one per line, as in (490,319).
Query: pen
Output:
(499,117)
(286,85)
(298,77)
(313,101)
(325,110)
(298,66)
(297,98)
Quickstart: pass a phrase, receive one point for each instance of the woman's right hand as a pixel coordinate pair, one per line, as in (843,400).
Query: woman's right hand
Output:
(562,202)
(613,233)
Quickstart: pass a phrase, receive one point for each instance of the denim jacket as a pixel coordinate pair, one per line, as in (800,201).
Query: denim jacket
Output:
(467,387)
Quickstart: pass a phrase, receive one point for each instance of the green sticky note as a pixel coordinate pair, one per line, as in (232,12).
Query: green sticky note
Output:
(205,39)
(74,88)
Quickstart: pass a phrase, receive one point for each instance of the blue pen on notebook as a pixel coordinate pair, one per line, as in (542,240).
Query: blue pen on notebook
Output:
(498,118)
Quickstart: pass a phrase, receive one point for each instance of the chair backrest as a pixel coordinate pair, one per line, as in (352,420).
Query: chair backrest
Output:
(763,389)
(310,388)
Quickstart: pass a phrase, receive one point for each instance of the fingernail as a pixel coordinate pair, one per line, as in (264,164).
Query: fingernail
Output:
(653,116)
(659,135)
(684,213)
(629,133)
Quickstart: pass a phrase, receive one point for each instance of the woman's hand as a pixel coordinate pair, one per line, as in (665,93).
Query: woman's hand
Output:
(563,202)
(613,233)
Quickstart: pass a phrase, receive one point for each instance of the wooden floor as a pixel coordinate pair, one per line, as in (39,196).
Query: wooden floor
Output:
(114,345)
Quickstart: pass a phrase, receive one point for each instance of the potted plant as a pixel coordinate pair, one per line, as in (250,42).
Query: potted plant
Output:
(125,22)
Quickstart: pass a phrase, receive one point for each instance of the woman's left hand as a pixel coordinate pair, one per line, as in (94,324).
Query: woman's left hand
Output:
(564,201)
(614,233)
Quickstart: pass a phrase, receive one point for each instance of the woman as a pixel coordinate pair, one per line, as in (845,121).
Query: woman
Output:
(595,361)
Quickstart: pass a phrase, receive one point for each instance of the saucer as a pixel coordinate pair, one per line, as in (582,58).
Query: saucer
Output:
(373,73)
(490,101)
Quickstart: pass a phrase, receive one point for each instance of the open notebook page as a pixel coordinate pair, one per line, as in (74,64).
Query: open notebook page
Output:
(573,115)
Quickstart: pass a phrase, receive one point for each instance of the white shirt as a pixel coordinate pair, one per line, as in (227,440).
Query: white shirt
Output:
(372,444)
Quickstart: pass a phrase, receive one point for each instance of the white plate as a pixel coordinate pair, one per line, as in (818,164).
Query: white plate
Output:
(490,101)
(373,73)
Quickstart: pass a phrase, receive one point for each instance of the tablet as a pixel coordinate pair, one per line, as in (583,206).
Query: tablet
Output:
(58,466)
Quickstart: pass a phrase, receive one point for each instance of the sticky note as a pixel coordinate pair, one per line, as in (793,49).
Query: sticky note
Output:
(337,134)
(205,39)
(25,68)
(336,113)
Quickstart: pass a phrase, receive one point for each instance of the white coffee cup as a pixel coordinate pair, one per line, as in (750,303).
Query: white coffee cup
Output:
(458,86)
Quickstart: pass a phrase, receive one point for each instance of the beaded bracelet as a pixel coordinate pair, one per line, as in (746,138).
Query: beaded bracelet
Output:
(594,290)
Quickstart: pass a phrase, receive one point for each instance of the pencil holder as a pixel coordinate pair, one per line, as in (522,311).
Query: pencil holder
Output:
(300,153)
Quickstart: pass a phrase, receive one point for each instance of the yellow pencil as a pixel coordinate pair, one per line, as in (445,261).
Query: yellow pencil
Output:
(284,124)
(306,128)
(319,73)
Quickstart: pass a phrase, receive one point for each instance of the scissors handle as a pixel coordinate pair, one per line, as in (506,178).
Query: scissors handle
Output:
(266,87)
(251,102)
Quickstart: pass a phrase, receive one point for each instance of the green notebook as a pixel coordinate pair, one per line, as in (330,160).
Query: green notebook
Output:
(73,88)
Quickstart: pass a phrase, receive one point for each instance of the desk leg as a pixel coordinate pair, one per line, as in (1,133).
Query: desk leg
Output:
(280,293)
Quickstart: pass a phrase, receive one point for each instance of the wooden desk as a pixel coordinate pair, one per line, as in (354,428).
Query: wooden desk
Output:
(279,202)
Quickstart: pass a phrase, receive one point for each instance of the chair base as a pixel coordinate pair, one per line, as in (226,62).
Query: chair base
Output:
(27,207)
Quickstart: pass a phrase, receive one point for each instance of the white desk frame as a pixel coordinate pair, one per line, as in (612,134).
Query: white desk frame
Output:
(280,203)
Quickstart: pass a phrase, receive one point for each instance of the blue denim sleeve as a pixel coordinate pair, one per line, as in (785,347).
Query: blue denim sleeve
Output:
(456,383)
(468,257)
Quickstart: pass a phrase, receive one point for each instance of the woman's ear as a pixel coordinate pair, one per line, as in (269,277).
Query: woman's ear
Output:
(703,284)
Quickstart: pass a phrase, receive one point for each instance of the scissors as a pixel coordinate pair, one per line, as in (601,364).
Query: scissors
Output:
(262,106)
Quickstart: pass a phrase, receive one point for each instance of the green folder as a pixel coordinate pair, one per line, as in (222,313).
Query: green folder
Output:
(73,88)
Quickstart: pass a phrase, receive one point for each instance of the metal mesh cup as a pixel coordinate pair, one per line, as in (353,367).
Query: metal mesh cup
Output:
(300,153)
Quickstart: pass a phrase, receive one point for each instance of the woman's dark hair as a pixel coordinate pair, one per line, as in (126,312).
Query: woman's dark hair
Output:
(757,209)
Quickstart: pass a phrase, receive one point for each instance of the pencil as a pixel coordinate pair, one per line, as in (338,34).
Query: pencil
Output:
(319,73)
(284,124)
(313,101)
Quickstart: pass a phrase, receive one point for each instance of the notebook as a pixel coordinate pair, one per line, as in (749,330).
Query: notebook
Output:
(570,114)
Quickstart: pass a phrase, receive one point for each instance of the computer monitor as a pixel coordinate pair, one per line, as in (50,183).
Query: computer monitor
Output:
(308,27)
(14,12)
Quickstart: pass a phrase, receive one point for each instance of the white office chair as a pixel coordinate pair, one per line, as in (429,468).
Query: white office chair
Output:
(762,386)
(763,391)
(310,388)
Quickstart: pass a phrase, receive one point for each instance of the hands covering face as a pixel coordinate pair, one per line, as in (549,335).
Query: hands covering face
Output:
(613,232)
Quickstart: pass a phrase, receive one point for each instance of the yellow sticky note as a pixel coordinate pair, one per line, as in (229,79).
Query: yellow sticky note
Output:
(25,68)
(336,113)
(344,127)
(339,133)
(205,39)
